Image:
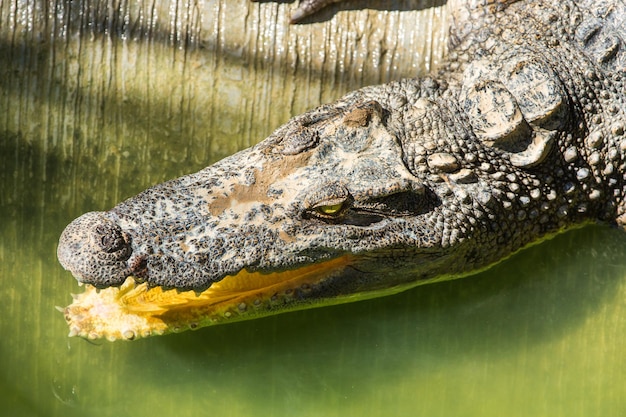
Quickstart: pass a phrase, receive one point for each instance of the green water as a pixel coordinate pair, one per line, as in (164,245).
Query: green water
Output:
(542,334)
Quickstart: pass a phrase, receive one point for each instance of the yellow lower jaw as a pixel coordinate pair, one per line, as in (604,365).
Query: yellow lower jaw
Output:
(133,310)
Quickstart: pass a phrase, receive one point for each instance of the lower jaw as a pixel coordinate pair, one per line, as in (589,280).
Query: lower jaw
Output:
(134,311)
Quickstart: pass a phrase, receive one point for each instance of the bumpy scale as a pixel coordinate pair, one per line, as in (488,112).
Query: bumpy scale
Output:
(520,136)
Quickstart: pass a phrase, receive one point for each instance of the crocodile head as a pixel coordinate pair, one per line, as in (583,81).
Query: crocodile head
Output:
(337,203)
(331,183)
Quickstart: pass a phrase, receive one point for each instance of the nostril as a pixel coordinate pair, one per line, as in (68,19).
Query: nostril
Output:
(96,250)
(110,237)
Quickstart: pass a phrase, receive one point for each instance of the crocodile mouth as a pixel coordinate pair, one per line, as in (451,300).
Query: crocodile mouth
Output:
(134,310)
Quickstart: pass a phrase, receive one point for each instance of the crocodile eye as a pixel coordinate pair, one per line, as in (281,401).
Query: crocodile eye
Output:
(330,209)
(329,201)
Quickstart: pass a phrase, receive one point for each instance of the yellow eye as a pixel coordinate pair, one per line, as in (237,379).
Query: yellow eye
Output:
(329,202)
(330,209)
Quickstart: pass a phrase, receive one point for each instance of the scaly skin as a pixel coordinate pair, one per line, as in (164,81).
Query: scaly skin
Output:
(519,137)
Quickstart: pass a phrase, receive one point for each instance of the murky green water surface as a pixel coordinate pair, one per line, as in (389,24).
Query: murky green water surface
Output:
(542,334)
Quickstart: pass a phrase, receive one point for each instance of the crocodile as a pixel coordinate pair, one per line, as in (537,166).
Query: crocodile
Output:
(519,136)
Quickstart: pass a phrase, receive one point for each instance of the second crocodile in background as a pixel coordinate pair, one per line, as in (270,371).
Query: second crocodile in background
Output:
(520,136)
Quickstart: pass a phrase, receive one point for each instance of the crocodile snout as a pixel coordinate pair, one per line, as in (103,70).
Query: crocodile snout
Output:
(96,250)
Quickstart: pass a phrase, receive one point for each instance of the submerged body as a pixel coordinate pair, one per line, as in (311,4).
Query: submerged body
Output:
(519,137)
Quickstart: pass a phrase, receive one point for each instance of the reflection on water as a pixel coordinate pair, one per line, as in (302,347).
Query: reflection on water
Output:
(542,334)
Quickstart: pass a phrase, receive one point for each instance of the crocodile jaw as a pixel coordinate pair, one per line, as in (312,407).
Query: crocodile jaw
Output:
(134,311)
